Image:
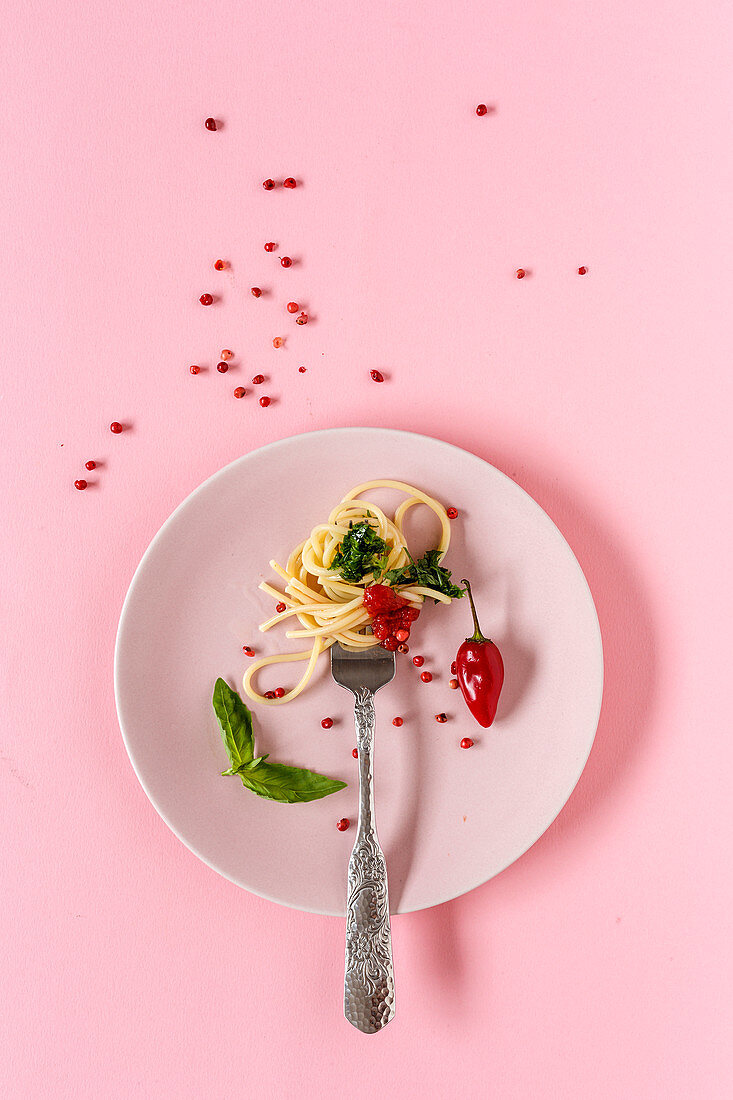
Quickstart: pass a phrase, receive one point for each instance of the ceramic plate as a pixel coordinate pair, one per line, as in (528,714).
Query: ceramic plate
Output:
(448,819)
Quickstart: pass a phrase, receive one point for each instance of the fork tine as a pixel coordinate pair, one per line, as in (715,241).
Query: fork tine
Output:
(354,669)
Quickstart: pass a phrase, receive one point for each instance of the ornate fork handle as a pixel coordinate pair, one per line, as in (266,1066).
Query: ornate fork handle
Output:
(369,979)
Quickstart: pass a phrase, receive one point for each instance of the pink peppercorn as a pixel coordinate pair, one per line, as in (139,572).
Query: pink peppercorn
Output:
(327,723)
(80,484)
(115,427)
(206,299)
(343,824)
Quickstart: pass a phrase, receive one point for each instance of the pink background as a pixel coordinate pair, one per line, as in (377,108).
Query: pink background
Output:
(599,964)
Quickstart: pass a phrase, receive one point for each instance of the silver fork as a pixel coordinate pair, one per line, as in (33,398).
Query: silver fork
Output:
(369,979)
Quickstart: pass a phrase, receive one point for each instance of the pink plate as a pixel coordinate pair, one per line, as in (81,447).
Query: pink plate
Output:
(448,818)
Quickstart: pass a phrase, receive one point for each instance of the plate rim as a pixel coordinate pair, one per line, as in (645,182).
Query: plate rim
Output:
(273,445)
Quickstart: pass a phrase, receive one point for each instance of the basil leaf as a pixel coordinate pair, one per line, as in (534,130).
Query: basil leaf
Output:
(235,721)
(253,763)
(282,783)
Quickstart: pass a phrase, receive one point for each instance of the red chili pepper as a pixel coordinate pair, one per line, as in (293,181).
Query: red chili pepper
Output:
(480,671)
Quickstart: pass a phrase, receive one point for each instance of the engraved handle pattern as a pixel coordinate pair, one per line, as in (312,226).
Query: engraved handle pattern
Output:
(369,979)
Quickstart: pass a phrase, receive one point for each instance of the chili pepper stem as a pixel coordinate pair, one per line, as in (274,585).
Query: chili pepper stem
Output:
(477,636)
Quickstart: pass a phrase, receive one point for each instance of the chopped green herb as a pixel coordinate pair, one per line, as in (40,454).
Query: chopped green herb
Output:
(361,551)
(427,572)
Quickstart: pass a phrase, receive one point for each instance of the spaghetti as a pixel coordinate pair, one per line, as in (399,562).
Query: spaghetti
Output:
(328,608)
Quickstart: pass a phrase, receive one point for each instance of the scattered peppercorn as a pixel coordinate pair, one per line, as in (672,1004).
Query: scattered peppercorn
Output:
(289,182)
(452,513)
(418,661)
(377,376)
(115,427)
(220,265)
(453,667)
(268,185)
(270,246)
(278,342)
(327,723)
(225,354)
(520,272)
(397,721)
(248,651)
(355,754)
(279,692)
(403,648)
(256,292)
(240,391)
(481,109)
(90,465)
(426,677)
(453,685)
(206,299)
(258,380)
(466,743)
(222,367)
(269,695)
(582,271)
(280,607)
(302,320)
(286,261)
(264,401)
(210,124)
(301,370)
(442,717)
(343,824)
(292,307)
(80,484)
(195,369)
